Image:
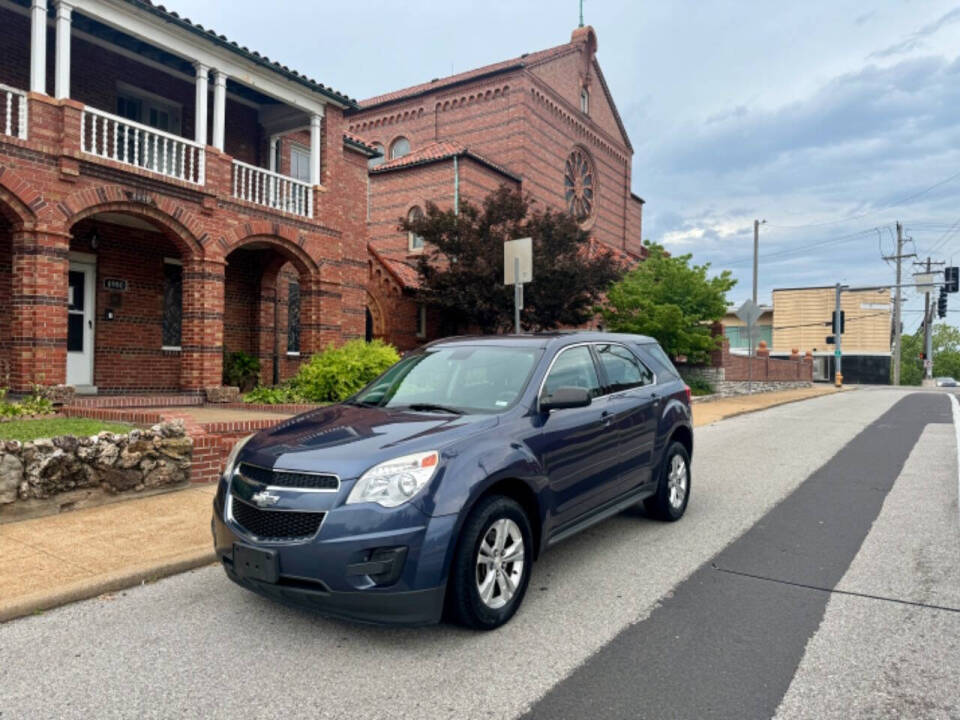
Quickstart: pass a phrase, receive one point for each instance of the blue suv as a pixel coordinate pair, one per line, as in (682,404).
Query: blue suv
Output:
(436,487)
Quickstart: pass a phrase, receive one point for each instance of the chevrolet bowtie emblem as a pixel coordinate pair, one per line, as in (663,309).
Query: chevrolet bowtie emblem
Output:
(265,498)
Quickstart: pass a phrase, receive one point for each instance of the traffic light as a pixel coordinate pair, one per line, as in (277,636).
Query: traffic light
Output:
(942,303)
(952,277)
(843,322)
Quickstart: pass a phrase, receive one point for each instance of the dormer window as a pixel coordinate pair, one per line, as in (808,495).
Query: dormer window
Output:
(584,101)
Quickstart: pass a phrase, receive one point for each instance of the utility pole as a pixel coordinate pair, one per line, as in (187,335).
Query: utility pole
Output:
(898,301)
(756,267)
(838,339)
(927,332)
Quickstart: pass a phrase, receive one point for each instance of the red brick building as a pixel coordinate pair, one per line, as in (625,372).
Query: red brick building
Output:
(165,193)
(544,122)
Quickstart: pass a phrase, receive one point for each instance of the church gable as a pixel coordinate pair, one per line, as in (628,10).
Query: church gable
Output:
(568,74)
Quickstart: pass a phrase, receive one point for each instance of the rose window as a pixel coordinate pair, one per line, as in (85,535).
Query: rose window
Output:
(579,187)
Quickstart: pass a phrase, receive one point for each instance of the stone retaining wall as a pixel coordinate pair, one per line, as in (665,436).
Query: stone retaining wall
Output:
(138,461)
(732,388)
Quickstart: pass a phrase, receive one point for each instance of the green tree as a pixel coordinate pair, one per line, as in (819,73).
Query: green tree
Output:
(461,269)
(946,355)
(671,300)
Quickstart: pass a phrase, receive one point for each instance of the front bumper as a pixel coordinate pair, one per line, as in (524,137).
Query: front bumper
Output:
(412,607)
(347,573)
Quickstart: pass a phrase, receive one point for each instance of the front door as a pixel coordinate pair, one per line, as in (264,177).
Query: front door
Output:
(576,446)
(80,318)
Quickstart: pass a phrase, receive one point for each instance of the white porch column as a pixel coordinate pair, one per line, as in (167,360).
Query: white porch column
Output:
(200,116)
(274,141)
(38,46)
(62,77)
(219,107)
(315,121)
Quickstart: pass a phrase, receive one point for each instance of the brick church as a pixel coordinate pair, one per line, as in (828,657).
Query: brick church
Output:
(166,194)
(544,122)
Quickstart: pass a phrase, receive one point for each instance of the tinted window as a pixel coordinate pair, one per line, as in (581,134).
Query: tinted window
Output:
(573,368)
(661,357)
(623,369)
(468,378)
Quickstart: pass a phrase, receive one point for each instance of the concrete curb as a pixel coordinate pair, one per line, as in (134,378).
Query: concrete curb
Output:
(107,582)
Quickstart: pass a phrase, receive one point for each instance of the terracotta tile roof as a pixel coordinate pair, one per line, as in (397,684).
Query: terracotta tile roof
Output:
(405,274)
(525,60)
(621,255)
(251,55)
(361,144)
(437,151)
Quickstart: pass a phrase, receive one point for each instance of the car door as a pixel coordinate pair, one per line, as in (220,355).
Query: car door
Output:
(633,404)
(575,445)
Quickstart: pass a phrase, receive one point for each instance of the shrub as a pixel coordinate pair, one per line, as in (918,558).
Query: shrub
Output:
(240,369)
(700,386)
(339,372)
(34,404)
(273,395)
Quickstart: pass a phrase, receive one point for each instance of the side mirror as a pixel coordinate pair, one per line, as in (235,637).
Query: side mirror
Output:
(565,397)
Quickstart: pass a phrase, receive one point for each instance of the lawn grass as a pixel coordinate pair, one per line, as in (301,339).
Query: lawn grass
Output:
(25,430)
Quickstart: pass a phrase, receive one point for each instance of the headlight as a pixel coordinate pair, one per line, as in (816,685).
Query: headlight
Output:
(394,482)
(232,457)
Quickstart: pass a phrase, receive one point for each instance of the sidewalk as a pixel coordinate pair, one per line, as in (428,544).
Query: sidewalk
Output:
(58,559)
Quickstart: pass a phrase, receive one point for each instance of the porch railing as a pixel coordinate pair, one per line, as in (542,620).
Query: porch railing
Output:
(13,112)
(271,189)
(116,138)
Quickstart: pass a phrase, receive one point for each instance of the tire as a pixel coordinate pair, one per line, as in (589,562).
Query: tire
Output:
(666,504)
(493,517)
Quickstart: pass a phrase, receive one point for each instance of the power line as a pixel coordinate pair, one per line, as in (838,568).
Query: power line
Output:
(908,198)
(801,248)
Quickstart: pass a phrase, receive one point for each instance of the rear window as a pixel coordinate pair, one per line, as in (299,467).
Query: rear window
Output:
(657,353)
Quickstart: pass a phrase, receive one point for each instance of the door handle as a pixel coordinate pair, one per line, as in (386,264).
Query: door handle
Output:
(605,417)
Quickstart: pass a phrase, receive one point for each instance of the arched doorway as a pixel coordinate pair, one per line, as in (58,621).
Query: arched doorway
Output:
(125,307)
(266,293)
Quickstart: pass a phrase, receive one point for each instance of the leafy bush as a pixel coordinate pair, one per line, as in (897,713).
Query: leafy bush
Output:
(339,372)
(273,395)
(34,404)
(240,369)
(700,386)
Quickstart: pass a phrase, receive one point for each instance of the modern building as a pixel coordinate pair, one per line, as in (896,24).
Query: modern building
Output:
(802,321)
(166,194)
(544,122)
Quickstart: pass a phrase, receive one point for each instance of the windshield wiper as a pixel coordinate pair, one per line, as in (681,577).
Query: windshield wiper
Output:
(436,408)
(361,403)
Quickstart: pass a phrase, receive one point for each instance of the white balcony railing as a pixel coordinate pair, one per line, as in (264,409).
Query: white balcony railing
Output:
(271,189)
(13,112)
(116,138)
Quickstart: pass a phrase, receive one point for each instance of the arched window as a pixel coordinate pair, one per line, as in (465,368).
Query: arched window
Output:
(379,159)
(414,241)
(584,101)
(399,148)
(579,186)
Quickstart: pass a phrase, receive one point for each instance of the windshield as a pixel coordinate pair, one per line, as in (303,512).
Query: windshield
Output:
(459,379)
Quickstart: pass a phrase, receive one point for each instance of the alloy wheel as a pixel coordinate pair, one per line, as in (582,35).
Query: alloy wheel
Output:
(500,563)
(677,480)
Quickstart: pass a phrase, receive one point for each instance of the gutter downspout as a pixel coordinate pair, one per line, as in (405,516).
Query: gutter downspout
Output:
(456,185)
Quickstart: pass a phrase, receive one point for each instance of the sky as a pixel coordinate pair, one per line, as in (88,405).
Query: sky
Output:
(829,119)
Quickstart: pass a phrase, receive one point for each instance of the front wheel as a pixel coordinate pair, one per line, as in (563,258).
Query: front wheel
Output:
(491,568)
(673,491)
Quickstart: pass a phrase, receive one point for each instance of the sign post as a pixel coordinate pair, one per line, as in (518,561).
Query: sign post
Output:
(749,312)
(517,270)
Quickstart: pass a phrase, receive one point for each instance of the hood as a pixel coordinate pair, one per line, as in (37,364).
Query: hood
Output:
(347,440)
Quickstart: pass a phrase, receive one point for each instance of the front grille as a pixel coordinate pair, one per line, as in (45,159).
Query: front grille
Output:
(276,524)
(286,478)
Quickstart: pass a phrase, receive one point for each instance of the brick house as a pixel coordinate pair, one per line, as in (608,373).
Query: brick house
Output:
(165,193)
(544,122)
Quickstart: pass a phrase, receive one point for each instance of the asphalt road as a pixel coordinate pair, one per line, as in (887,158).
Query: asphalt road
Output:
(816,574)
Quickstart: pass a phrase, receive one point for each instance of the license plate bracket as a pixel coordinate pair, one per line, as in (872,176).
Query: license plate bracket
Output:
(256,564)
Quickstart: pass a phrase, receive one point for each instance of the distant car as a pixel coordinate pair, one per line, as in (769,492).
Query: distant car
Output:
(439,484)
(946,382)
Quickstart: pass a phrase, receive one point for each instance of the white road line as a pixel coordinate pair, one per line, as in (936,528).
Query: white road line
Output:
(956,427)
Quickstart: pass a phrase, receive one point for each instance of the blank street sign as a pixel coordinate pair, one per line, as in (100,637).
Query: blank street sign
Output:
(522,249)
